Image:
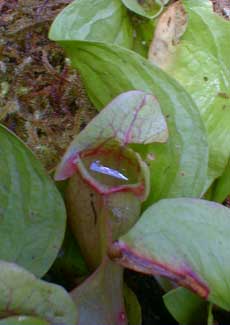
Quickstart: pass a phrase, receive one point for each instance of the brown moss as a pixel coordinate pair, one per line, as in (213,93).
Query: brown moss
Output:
(42,99)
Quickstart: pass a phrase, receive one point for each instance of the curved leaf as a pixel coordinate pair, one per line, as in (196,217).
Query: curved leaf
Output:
(97,20)
(186,307)
(131,118)
(100,298)
(22,293)
(108,70)
(186,240)
(96,219)
(132,306)
(200,62)
(107,177)
(146,8)
(221,187)
(181,164)
(32,212)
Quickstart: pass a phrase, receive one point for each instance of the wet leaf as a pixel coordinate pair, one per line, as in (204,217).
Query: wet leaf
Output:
(97,20)
(200,62)
(185,240)
(22,293)
(100,297)
(147,8)
(32,213)
(186,307)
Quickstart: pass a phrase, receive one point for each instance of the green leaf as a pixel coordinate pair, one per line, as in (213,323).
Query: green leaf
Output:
(211,320)
(143,29)
(32,212)
(133,117)
(109,70)
(179,167)
(69,263)
(96,219)
(22,293)
(97,20)
(147,8)
(200,62)
(185,240)
(221,187)
(100,298)
(107,177)
(23,320)
(186,307)
(108,180)
(132,307)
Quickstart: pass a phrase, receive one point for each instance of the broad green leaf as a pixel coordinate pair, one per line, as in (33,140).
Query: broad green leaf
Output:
(132,307)
(200,62)
(186,307)
(133,117)
(32,212)
(100,298)
(177,168)
(22,293)
(109,70)
(221,187)
(97,20)
(186,240)
(23,320)
(147,8)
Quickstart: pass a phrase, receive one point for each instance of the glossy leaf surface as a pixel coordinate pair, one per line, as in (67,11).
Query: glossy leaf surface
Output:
(94,20)
(32,213)
(147,8)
